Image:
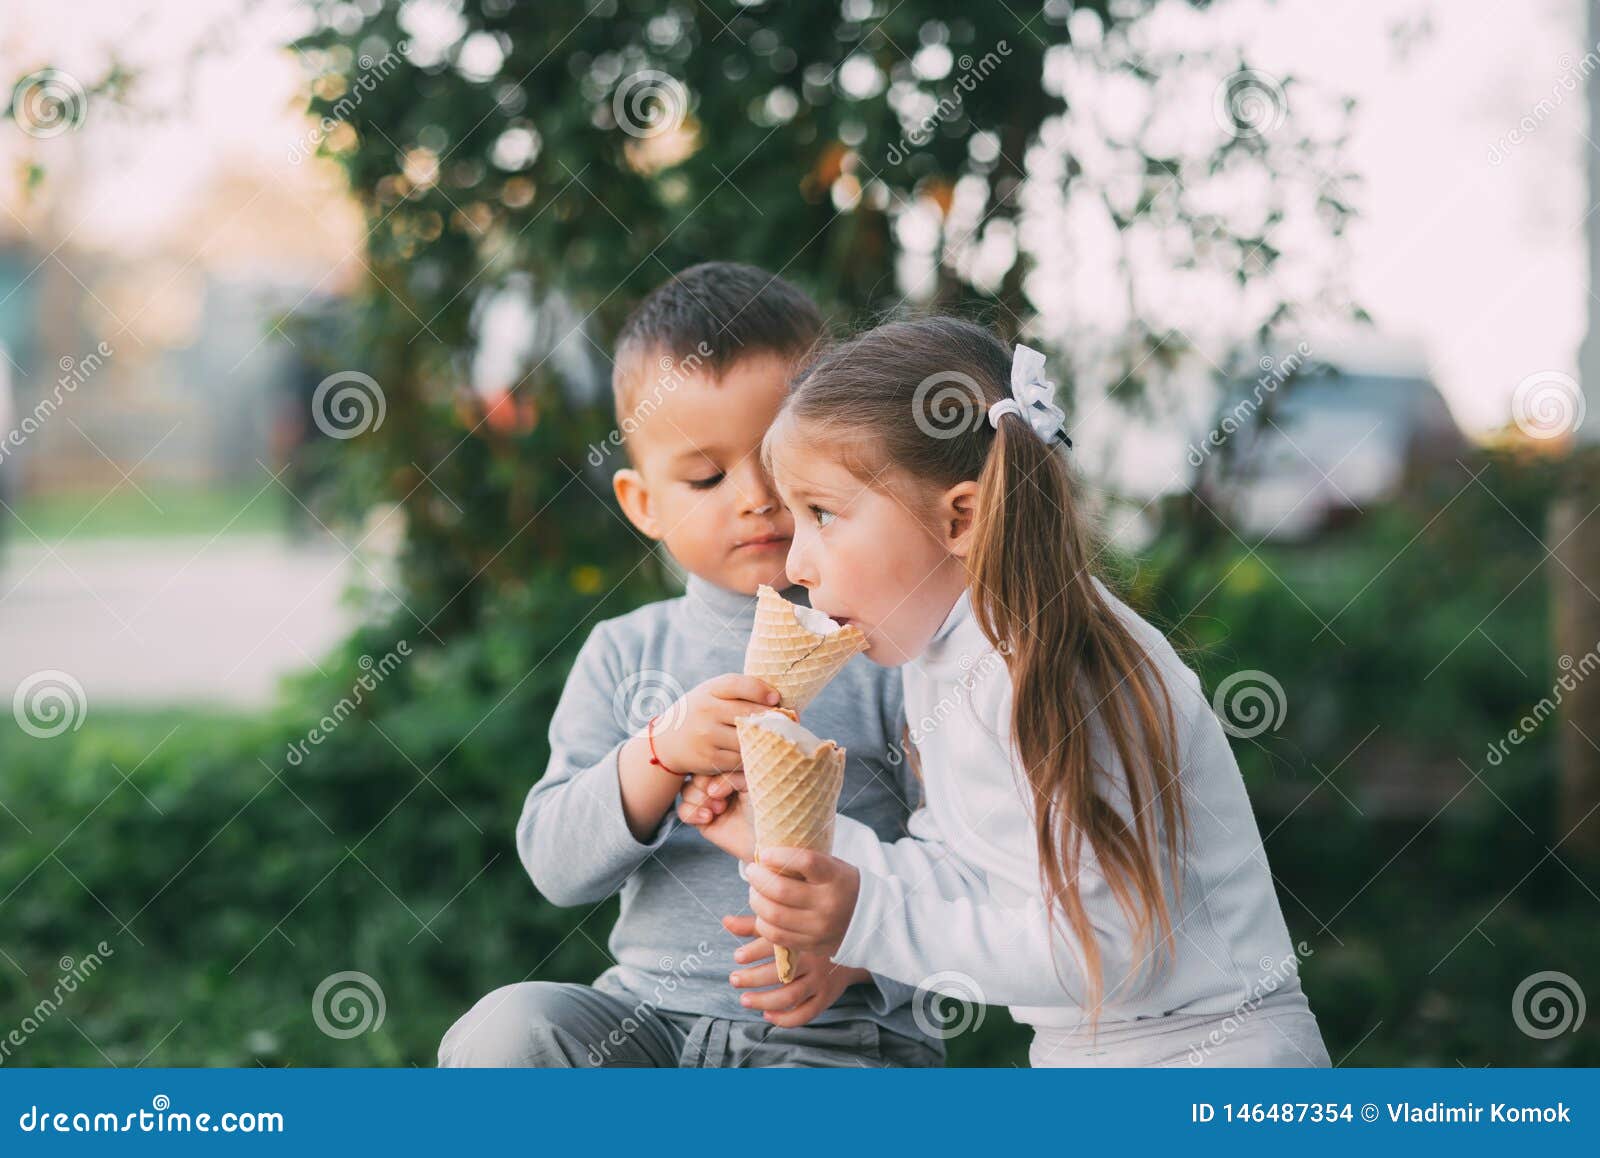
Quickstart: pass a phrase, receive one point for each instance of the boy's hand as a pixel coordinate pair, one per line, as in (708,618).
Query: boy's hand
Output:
(803,900)
(817,982)
(696,735)
(716,806)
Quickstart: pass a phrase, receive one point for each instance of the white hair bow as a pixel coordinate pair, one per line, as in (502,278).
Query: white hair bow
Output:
(1032,396)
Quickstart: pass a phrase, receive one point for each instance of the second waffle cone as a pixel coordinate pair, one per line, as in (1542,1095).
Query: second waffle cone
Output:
(794,781)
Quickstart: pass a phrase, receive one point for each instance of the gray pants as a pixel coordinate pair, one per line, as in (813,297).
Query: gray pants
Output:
(551,1025)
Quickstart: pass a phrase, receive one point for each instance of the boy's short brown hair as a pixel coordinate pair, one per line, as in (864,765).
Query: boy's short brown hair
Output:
(708,317)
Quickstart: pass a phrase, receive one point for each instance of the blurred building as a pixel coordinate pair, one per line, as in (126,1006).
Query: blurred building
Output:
(163,360)
(1317,439)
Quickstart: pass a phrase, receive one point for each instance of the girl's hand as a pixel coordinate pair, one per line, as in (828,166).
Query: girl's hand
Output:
(817,982)
(803,900)
(715,805)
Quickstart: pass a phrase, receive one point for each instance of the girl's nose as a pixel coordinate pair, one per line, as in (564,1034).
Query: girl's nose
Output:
(798,564)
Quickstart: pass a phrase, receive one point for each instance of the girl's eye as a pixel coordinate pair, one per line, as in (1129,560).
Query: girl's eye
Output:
(705,484)
(823,517)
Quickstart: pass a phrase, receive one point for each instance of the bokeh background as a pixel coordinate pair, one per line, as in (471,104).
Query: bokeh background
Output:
(305,311)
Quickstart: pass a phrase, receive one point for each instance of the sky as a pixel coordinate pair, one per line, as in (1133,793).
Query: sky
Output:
(1468,248)
(1480,261)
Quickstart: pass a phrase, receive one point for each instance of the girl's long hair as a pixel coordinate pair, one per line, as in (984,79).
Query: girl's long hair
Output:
(908,402)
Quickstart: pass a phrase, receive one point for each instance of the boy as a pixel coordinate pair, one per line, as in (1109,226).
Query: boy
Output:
(701,368)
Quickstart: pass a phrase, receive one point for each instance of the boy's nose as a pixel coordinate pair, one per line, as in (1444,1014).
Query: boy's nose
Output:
(756,496)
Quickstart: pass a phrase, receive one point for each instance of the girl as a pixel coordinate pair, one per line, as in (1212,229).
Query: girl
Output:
(1086,854)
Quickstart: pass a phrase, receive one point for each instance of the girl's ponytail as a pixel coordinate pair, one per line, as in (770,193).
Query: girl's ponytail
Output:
(884,400)
(1034,598)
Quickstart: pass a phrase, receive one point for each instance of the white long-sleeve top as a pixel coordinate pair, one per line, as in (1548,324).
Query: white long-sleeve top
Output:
(958,907)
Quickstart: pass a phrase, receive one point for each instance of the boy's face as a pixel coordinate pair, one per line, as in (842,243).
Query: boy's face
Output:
(697,485)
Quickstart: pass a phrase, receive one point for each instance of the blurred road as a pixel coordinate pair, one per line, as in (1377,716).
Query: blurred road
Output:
(172,620)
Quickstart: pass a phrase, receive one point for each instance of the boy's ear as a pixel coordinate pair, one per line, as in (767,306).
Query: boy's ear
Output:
(957,508)
(633,496)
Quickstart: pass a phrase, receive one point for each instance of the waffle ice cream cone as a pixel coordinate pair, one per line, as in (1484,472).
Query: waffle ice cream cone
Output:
(797,649)
(794,781)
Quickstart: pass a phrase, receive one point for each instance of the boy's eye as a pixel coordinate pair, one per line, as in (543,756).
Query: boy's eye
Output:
(823,517)
(705,484)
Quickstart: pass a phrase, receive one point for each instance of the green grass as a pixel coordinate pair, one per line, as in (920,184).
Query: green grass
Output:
(156,512)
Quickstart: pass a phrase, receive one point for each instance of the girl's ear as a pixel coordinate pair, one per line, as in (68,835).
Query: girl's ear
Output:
(957,507)
(633,496)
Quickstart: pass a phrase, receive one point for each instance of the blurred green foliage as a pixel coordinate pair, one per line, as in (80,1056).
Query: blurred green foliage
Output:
(581,151)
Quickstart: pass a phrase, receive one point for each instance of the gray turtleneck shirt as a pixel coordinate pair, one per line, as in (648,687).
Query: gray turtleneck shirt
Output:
(670,948)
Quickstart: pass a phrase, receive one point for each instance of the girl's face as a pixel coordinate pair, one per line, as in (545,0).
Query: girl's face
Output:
(864,556)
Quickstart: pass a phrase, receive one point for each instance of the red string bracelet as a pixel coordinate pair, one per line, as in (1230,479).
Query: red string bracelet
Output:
(650,737)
